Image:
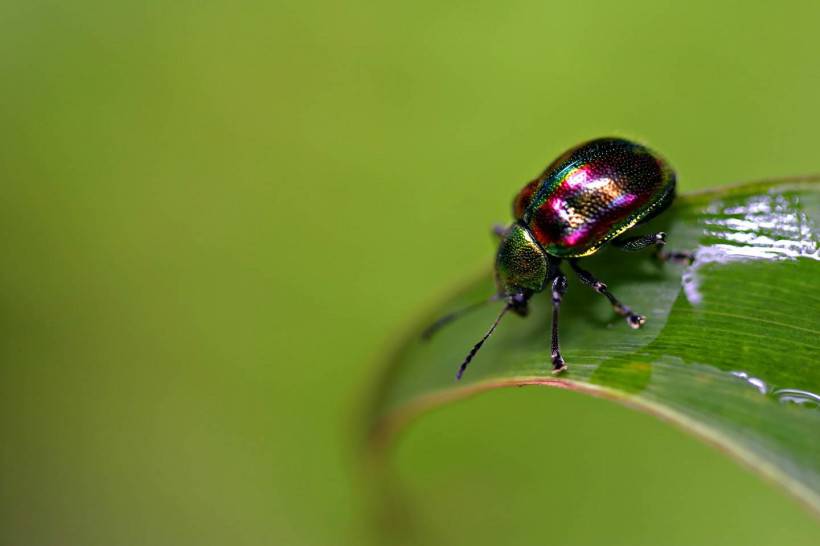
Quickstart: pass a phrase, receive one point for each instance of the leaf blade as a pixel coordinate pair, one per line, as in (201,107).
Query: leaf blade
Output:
(729,351)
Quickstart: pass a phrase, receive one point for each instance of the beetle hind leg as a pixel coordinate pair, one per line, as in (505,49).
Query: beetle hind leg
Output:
(640,242)
(674,256)
(633,319)
(658,241)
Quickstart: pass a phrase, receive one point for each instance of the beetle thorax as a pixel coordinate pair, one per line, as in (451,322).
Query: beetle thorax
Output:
(521,263)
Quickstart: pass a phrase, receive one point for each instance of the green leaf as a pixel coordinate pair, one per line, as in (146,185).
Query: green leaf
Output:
(729,351)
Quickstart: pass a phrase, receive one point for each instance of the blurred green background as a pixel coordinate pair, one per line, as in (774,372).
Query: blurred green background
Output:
(217,216)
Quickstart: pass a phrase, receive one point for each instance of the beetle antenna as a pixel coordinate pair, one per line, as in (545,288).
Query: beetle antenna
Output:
(478,345)
(450,317)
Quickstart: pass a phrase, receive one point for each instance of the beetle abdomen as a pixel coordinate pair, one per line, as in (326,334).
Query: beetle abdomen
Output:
(593,193)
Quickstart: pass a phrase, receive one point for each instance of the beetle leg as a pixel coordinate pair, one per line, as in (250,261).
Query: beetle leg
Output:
(658,240)
(674,256)
(500,230)
(640,242)
(559,287)
(634,320)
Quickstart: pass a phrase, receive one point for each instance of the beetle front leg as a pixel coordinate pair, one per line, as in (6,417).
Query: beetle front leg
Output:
(634,320)
(501,231)
(559,288)
(657,240)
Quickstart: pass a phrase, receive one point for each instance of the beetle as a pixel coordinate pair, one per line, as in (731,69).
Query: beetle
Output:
(587,198)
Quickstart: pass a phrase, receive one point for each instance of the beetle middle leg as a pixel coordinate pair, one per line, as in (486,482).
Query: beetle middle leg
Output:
(559,288)
(634,320)
(657,240)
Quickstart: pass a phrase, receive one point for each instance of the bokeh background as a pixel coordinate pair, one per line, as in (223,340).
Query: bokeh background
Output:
(217,216)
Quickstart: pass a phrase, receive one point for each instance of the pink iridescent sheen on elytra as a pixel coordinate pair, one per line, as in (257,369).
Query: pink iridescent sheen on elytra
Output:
(593,193)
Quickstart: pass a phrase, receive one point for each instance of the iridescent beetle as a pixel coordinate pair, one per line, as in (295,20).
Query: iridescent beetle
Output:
(589,197)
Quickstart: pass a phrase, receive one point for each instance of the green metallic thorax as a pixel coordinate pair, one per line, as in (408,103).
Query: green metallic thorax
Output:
(521,263)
